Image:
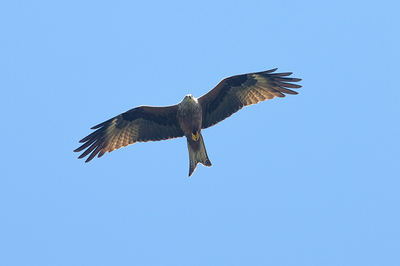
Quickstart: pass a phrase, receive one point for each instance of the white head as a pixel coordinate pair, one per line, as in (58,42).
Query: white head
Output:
(189,96)
(189,99)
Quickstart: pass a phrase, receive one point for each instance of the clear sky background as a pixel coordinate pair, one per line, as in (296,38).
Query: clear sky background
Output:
(311,179)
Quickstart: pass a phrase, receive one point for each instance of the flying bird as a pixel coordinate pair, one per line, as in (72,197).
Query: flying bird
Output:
(187,118)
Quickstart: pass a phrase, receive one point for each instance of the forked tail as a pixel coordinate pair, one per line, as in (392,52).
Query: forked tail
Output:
(197,153)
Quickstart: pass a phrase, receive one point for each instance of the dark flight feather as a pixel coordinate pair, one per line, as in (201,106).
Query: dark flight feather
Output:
(144,123)
(235,92)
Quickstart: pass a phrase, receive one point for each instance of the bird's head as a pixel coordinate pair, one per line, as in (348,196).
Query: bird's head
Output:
(188,98)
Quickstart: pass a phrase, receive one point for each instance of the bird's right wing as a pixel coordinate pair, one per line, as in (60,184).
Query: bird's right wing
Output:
(143,123)
(232,93)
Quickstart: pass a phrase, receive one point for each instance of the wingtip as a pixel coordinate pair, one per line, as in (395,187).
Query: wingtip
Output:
(271,70)
(99,125)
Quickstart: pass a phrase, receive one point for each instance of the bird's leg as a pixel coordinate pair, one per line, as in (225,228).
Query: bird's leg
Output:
(196,135)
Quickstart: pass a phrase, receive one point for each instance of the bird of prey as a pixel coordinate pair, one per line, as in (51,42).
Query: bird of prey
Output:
(187,118)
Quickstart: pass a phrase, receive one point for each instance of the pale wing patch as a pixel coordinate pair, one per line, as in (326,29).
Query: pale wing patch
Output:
(121,137)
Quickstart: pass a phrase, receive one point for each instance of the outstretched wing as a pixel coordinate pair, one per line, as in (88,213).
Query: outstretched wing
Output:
(144,123)
(232,93)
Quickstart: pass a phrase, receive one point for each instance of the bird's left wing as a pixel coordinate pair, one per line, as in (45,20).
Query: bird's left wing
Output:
(232,93)
(143,123)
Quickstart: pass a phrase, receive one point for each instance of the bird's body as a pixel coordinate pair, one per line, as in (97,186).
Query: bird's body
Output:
(188,118)
(189,115)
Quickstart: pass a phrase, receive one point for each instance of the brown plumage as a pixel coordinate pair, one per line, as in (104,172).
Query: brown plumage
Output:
(148,123)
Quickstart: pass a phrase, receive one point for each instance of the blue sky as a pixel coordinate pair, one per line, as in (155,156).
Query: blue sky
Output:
(310,179)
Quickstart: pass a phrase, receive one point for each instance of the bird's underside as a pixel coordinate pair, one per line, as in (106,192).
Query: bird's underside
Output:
(187,118)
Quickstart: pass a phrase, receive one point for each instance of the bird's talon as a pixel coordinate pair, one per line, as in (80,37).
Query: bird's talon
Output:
(196,136)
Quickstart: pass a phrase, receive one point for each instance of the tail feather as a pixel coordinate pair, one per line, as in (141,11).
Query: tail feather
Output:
(197,154)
